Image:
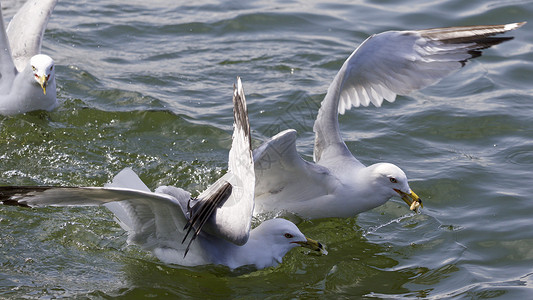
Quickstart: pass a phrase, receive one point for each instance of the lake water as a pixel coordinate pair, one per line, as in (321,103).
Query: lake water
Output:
(148,85)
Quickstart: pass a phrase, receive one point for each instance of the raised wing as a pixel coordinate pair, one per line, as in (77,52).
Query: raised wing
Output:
(154,221)
(398,62)
(26,29)
(395,62)
(7,67)
(283,177)
(226,207)
(203,209)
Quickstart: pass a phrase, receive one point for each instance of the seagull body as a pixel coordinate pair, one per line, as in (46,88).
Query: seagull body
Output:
(383,66)
(219,219)
(27,78)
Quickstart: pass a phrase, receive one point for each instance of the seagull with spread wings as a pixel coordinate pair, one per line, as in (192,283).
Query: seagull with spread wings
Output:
(383,66)
(27,78)
(168,220)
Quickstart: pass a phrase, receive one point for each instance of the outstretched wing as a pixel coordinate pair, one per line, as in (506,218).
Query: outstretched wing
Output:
(395,62)
(398,62)
(226,207)
(7,67)
(283,178)
(154,221)
(26,29)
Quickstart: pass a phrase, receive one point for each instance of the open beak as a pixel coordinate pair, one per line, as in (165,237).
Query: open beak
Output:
(43,81)
(313,245)
(411,199)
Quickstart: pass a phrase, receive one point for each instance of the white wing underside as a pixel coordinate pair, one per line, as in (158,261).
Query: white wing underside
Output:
(7,67)
(25,31)
(397,63)
(158,221)
(154,221)
(383,66)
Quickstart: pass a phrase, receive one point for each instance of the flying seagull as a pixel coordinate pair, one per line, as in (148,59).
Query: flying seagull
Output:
(27,78)
(383,66)
(168,220)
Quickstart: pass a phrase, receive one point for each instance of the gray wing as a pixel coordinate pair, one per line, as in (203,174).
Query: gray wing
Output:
(153,220)
(26,30)
(398,62)
(7,67)
(283,177)
(225,208)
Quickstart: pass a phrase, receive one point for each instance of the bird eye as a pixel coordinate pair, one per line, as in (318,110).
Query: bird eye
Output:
(33,68)
(393,180)
(288,235)
(51,68)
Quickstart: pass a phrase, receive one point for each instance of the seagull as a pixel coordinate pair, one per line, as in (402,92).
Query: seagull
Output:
(385,65)
(167,221)
(27,78)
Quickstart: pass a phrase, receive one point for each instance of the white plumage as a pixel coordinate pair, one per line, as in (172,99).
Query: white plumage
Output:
(27,78)
(167,221)
(383,66)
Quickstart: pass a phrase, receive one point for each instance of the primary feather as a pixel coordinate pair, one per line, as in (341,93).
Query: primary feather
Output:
(383,66)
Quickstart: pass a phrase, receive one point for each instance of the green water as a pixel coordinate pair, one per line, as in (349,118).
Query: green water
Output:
(148,85)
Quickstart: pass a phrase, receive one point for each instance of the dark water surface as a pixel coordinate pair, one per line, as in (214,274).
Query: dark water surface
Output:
(148,84)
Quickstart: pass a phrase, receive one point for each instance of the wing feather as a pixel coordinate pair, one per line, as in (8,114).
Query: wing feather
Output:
(202,211)
(284,178)
(26,30)
(7,66)
(397,63)
(153,220)
(230,209)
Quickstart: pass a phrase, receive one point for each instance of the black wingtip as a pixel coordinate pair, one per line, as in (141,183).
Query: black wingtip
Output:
(475,38)
(240,111)
(10,202)
(11,195)
(202,213)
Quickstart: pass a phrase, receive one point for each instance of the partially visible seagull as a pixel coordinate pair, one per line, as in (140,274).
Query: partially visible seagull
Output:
(383,66)
(27,78)
(168,220)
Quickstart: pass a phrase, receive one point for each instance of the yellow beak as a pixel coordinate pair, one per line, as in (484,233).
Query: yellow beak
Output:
(313,245)
(411,199)
(43,80)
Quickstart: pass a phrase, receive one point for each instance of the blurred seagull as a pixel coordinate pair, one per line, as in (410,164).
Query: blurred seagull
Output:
(383,66)
(27,78)
(162,221)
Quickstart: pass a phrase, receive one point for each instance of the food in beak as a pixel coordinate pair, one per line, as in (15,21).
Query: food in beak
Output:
(411,199)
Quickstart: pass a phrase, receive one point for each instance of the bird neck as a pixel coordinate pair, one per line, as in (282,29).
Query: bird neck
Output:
(374,189)
(260,254)
(254,253)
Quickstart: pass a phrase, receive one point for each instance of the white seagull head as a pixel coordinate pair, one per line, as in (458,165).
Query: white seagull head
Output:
(279,236)
(43,70)
(270,241)
(393,181)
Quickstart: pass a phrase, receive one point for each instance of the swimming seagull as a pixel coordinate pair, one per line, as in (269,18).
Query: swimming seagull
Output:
(383,66)
(219,219)
(27,78)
